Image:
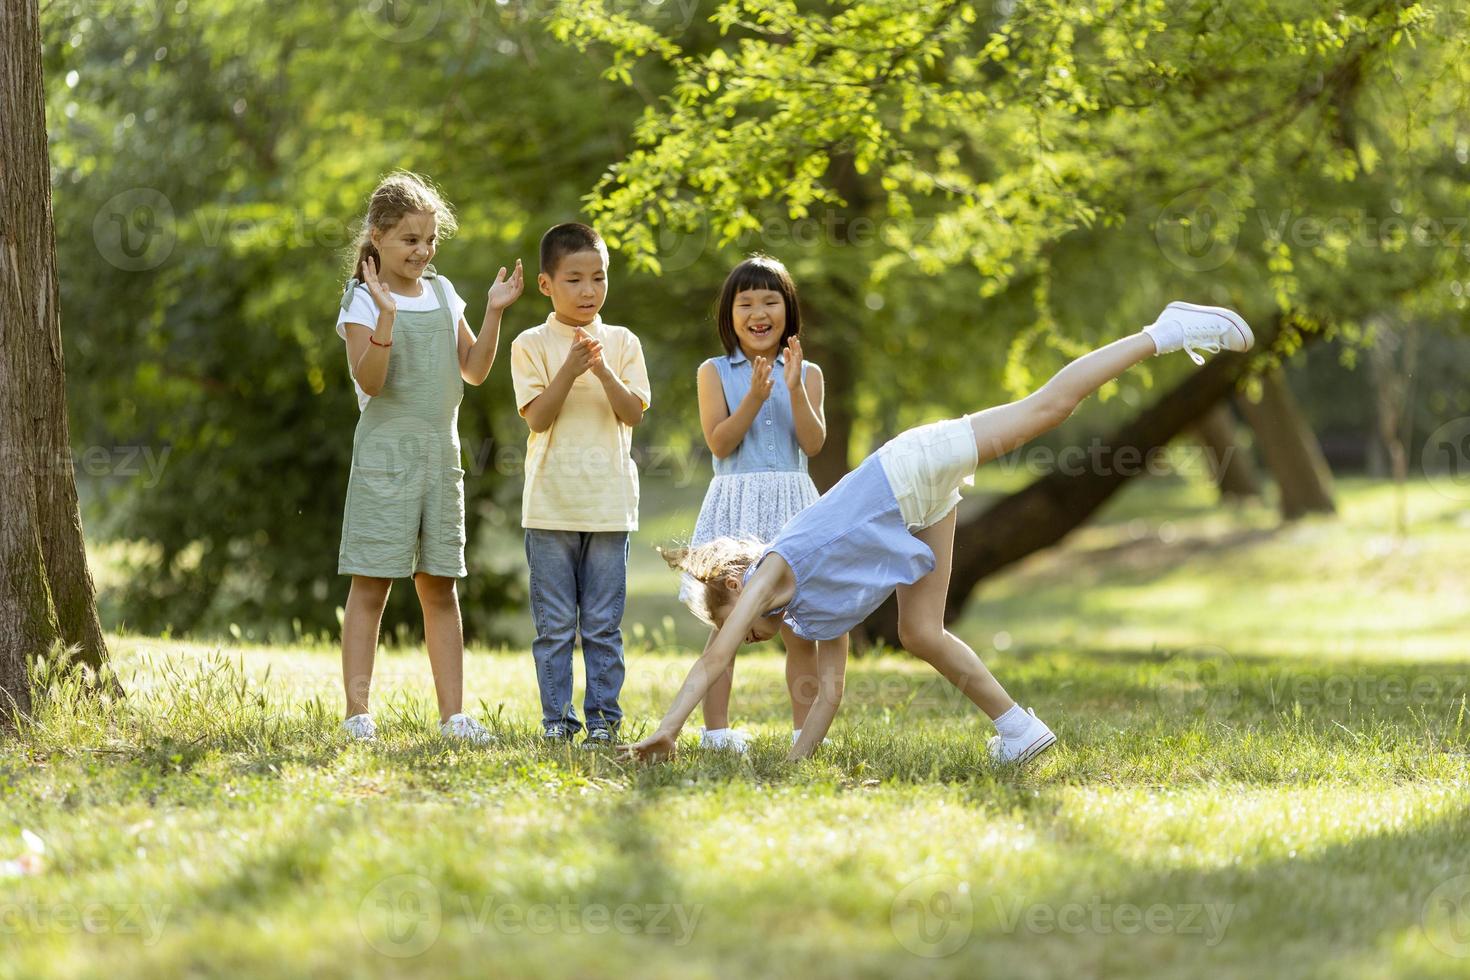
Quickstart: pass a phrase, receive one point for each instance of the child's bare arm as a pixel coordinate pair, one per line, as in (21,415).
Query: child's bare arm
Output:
(723,430)
(477,354)
(759,594)
(626,405)
(831,676)
(542,410)
(808,414)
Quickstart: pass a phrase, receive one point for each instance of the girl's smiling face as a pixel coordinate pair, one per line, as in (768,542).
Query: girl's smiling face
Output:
(405,249)
(759,317)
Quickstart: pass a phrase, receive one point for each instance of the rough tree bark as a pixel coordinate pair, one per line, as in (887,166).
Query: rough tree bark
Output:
(1051,507)
(46,592)
(1290,449)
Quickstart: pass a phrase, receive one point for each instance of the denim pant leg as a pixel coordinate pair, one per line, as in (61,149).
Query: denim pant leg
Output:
(603,577)
(553,558)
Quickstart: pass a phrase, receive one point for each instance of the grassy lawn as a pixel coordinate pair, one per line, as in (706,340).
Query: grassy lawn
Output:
(1262,771)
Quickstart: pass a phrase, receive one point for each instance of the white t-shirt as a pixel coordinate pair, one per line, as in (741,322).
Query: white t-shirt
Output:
(364,310)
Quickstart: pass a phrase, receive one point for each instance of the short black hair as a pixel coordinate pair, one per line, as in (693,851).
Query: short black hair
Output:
(757,272)
(566,239)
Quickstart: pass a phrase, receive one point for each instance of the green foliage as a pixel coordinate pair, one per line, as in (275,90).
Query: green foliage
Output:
(1083,162)
(210,167)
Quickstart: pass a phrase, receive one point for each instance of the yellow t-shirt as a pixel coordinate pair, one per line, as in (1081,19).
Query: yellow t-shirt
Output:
(580,474)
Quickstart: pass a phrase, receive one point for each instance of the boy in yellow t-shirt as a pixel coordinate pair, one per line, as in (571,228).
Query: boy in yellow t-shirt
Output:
(581,385)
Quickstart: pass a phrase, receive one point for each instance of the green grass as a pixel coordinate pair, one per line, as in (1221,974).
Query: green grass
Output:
(1264,769)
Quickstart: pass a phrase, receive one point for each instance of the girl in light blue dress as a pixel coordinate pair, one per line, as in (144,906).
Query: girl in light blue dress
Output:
(760,406)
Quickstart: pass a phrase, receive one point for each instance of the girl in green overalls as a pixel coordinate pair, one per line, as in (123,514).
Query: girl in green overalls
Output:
(409,350)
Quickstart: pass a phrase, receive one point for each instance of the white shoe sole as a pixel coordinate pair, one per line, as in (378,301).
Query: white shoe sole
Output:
(1230,316)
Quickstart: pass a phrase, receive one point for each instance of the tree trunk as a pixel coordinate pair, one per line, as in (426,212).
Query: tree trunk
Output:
(46,593)
(1230,463)
(1290,449)
(1051,507)
(1395,356)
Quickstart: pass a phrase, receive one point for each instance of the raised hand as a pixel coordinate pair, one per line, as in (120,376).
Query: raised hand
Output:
(505,291)
(381,294)
(654,748)
(793,364)
(761,381)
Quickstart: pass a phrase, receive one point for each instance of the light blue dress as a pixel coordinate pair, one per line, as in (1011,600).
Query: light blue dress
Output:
(764,482)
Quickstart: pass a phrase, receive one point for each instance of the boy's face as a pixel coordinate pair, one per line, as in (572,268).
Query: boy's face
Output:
(578,288)
(406,248)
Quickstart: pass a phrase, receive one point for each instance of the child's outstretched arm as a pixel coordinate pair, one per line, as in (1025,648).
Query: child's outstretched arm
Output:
(761,592)
(477,354)
(831,676)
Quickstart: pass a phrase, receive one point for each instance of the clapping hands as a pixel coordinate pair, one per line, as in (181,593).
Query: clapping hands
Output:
(585,355)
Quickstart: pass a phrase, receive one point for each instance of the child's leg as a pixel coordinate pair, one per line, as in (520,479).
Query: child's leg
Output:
(552,559)
(1006,427)
(922,633)
(360,624)
(801,674)
(444,636)
(602,587)
(716,705)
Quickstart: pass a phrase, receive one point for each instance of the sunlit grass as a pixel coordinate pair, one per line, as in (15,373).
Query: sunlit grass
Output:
(1264,769)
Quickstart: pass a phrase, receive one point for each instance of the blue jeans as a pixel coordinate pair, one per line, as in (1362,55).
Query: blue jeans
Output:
(579,581)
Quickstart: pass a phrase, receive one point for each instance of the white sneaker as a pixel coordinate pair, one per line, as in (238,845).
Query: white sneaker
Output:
(796,734)
(725,740)
(1036,739)
(1201,328)
(462,726)
(360,728)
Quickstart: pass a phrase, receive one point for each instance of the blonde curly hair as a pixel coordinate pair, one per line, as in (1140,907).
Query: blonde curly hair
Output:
(705,568)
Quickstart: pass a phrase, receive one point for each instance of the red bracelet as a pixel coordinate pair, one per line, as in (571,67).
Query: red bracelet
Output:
(374,340)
